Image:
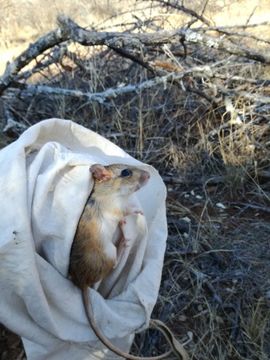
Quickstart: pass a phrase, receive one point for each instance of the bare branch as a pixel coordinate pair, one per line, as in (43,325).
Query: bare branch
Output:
(122,41)
(245,94)
(252,206)
(53,58)
(182,8)
(115,39)
(137,40)
(251,14)
(12,126)
(228,32)
(172,77)
(244,26)
(132,57)
(256,82)
(45,42)
(31,90)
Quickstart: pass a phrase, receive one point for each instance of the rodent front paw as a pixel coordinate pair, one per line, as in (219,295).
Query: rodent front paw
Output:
(138,212)
(122,222)
(134,212)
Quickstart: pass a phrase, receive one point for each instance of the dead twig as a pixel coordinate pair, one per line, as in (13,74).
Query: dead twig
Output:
(244,26)
(12,126)
(251,206)
(177,6)
(57,54)
(43,43)
(236,33)
(136,59)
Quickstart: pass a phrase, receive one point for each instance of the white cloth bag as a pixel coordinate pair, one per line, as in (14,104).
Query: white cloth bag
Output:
(44,184)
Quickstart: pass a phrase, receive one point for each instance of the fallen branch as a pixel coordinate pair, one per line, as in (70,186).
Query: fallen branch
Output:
(206,71)
(137,40)
(53,58)
(245,94)
(45,42)
(116,39)
(12,126)
(119,42)
(101,97)
(257,82)
(251,206)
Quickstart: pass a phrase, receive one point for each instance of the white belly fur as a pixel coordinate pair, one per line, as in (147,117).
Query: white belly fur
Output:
(110,234)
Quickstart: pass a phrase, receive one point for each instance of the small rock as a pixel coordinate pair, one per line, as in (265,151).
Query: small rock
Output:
(219,320)
(186,219)
(220,206)
(182,318)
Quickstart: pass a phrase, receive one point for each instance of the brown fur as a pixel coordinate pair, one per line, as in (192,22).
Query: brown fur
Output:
(106,206)
(88,262)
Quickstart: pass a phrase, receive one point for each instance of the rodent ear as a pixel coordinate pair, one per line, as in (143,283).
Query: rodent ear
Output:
(100,173)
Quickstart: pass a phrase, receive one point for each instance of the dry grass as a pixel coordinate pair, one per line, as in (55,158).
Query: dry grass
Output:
(215,162)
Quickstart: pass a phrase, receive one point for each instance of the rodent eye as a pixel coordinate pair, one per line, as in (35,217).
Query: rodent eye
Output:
(126,172)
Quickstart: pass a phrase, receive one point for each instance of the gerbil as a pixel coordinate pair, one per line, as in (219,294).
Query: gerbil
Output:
(99,241)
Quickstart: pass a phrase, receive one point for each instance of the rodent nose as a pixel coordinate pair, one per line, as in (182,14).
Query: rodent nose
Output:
(144,176)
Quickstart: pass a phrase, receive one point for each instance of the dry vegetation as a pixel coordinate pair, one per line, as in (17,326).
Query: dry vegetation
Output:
(207,132)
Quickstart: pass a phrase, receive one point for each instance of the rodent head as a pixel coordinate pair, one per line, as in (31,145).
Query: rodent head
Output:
(118,179)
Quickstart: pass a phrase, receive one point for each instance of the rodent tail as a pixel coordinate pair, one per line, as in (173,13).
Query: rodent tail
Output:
(176,347)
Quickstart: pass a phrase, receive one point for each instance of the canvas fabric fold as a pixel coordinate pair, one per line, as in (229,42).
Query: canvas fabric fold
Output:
(44,184)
